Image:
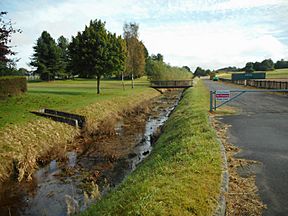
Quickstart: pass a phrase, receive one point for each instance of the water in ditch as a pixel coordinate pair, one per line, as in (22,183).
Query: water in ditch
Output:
(91,170)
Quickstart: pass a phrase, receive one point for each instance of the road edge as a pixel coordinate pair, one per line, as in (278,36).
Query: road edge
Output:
(221,207)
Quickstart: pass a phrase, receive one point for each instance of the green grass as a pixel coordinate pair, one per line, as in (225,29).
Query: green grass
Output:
(66,95)
(276,74)
(280,73)
(181,176)
(25,137)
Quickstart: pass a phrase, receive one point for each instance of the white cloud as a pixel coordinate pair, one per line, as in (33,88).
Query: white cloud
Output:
(210,44)
(244,4)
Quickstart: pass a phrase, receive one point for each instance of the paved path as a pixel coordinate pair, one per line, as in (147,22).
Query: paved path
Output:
(261,131)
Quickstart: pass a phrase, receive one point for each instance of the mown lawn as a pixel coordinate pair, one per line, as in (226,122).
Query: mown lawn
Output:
(25,138)
(181,176)
(280,73)
(63,95)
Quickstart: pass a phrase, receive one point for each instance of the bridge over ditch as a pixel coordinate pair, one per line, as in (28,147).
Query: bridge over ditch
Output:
(171,84)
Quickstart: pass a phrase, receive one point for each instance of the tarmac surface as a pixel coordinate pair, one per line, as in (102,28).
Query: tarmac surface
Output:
(260,129)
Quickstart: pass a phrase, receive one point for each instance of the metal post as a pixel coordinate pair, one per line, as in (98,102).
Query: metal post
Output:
(211,101)
(215,102)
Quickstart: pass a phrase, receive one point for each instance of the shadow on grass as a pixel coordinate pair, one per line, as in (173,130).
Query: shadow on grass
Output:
(57,92)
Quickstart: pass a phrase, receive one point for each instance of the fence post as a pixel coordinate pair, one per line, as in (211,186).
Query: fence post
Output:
(211,101)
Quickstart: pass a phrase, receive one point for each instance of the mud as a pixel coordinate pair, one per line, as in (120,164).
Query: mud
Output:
(94,166)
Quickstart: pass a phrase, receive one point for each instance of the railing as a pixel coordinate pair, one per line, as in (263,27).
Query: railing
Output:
(172,84)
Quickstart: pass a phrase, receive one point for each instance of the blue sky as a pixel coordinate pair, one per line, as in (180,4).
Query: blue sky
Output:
(206,33)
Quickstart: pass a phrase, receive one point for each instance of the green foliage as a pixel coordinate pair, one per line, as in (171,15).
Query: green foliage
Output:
(66,95)
(137,52)
(201,72)
(12,86)
(182,174)
(158,57)
(96,52)
(187,68)
(63,44)
(6,31)
(159,70)
(265,65)
(46,57)
(281,64)
(249,68)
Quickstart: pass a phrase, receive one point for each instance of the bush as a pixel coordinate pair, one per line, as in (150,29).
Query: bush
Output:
(10,86)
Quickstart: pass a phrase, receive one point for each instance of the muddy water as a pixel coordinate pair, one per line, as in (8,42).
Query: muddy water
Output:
(103,160)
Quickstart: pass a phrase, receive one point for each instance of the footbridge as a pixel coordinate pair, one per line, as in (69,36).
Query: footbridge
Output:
(171,84)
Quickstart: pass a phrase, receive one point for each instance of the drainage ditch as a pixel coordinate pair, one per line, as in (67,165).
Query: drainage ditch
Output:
(97,164)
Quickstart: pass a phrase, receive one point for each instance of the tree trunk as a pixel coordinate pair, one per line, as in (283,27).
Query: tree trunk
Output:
(132,81)
(123,84)
(98,84)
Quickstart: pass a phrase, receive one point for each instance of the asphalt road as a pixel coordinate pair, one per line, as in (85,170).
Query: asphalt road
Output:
(261,131)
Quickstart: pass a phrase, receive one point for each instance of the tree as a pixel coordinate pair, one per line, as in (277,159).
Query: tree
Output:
(135,64)
(281,64)
(46,57)
(187,68)
(63,44)
(201,72)
(96,52)
(6,31)
(249,68)
(267,65)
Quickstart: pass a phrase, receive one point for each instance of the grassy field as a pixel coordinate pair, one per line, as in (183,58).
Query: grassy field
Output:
(66,95)
(276,74)
(181,176)
(24,138)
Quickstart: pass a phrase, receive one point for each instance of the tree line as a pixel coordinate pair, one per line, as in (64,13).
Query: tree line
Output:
(250,67)
(92,53)
(265,65)
(96,52)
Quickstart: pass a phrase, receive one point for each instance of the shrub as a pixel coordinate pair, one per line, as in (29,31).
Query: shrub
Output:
(10,86)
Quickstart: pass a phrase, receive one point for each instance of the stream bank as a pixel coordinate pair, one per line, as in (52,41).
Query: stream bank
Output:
(99,162)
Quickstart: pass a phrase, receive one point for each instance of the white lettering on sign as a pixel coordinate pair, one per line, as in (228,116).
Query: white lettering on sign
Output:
(222,95)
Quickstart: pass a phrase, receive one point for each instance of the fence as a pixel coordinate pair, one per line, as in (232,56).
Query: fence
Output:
(267,84)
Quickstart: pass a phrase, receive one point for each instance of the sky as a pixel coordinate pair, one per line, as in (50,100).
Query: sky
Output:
(208,33)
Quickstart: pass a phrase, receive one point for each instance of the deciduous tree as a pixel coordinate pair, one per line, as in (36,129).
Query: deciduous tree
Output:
(97,52)
(136,51)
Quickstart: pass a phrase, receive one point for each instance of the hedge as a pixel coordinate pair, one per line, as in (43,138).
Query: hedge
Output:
(10,86)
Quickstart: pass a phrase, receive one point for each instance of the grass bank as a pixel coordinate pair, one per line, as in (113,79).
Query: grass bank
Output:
(24,138)
(68,95)
(181,176)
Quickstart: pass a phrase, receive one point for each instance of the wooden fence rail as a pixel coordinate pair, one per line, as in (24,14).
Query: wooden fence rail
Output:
(267,84)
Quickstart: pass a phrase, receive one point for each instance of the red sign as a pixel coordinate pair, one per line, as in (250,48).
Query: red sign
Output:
(222,95)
